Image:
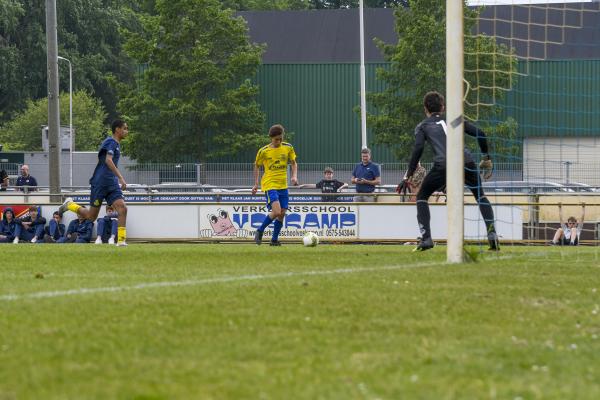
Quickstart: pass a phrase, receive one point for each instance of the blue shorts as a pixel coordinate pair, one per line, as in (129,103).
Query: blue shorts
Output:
(280,195)
(110,193)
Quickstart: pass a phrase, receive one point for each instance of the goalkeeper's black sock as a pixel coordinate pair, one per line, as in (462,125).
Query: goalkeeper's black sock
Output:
(423,218)
(487,212)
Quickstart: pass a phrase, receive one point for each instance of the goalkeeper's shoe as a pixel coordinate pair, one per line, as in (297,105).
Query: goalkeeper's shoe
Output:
(65,206)
(121,243)
(493,241)
(424,244)
(258,237)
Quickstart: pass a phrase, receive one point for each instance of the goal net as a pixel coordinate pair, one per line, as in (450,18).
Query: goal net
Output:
(532,83)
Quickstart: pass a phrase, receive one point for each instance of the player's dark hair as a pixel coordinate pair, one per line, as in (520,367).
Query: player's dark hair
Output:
(32,208)
(276,130)
(572,219)
(117,123)
(433,102)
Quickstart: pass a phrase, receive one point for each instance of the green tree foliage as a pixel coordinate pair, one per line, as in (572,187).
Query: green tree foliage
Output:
(194,100)
(88,35)
(418,65)
(24,132)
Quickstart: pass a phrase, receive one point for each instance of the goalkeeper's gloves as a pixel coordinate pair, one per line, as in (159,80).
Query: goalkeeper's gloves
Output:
(403,187)
(486,167)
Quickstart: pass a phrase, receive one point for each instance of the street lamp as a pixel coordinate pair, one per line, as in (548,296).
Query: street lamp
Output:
(70,119)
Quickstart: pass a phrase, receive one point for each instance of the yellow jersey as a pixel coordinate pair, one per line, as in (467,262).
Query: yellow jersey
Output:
(274,161)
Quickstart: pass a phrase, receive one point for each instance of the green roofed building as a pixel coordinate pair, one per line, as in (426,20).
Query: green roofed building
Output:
(309,80)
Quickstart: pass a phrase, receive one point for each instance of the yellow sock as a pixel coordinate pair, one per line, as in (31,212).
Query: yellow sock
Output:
(73,207)
(121,234)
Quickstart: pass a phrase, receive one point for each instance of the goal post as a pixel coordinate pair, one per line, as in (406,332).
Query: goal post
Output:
(454,121)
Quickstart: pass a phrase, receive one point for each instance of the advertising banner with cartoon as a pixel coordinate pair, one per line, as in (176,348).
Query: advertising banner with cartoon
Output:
(329,221)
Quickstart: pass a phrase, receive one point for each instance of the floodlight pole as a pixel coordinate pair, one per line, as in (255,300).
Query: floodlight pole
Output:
(53,104)
(70,120)
(363,85)
(455,133)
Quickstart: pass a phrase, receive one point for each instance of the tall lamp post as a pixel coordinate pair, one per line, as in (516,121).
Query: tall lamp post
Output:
(70,120)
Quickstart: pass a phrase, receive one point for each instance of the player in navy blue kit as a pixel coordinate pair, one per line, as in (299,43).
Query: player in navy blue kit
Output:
(106,182)
(433,130)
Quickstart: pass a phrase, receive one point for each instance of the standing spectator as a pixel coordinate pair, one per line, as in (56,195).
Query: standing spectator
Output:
(3,180)
(79,231)
(26,180)
(327,185)
(106,227)
(31,227)
(55,229)
(568,234)
(366,176)
(8,226)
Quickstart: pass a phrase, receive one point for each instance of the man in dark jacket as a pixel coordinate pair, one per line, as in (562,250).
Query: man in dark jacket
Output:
(79,231)
(31,227)
(26,180)
(8,226)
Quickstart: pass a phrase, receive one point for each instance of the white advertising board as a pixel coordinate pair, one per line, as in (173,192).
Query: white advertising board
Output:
(344,221)
(329,221)
(400,222)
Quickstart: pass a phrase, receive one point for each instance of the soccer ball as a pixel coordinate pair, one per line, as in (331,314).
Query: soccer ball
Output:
(310,239)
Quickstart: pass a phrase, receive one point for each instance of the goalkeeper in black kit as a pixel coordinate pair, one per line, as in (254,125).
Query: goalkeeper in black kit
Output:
(433,130)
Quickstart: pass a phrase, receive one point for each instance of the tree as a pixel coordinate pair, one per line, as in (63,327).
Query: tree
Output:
(194,100)
(418,65)
(88,35)
(24,131)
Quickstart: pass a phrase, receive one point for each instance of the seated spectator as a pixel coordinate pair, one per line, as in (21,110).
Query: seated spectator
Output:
(8,226)
(31,227)
(3,180)
(26,180)
(107,227)
(55,229)
(568,235)
(79,231)
(327,185)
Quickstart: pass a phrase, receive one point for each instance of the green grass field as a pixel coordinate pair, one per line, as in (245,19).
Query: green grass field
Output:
(207,321)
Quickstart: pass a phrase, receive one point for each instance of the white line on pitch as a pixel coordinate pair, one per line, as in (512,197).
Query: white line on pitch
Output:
(224,279)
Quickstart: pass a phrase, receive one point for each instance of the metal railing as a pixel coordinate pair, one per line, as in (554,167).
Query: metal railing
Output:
(240,174)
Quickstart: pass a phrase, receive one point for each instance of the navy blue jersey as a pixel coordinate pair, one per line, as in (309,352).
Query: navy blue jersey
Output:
(433,130)
(103,176)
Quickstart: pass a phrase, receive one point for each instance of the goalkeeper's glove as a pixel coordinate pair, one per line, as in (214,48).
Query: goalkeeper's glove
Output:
(486,167)
(403,187)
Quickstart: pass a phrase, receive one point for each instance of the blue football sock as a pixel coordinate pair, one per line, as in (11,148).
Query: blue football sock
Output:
(276,229)
(265,223)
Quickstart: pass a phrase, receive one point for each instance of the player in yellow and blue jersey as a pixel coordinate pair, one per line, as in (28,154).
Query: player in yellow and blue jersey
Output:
(274,159)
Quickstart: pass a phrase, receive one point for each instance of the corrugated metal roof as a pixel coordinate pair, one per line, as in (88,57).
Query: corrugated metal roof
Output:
(546,31)
(319,36)
(552,31)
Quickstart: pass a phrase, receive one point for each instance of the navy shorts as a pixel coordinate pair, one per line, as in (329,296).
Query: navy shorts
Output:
(280,195)
(100,193)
